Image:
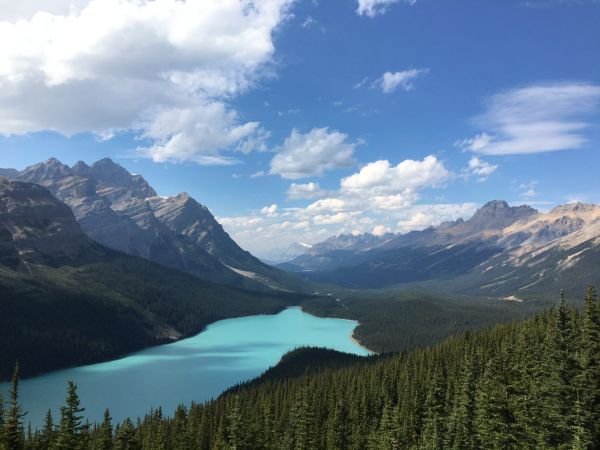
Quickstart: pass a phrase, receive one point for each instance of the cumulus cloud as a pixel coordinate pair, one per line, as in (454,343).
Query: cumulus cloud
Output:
(423,216)
(269,210)
(372,8)
(309,154)
(480,168)
(304,191)
(534,119)
(380,230)
(390,81)
(380,177)
(11,10)
(105,66)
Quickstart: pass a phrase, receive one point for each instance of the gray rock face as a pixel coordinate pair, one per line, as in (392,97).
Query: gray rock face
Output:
(35,227)
(121,211)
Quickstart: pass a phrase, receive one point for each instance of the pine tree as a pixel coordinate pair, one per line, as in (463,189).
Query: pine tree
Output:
(337,427)
(125,437)
(581,439)
(235,426)
(463,414)
(433,426)
(70,429)
(48,431)
(106,432)
(13,427)
(589,381)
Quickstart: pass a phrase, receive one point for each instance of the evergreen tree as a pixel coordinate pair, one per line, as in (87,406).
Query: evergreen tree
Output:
(13,426)
(337,427)
(106,432)
(590,375)
(434,430)
(235,426)
(48,431)
(70,430)
(125,437)
(463,413)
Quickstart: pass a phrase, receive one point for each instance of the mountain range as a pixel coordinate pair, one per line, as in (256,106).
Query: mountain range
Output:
(123,212)
(501,250)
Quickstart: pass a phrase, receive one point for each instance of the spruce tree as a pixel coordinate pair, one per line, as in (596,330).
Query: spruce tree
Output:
(235,426)
(589,381)
(70,430)
(48,431)
(13,426)
(125,437)
(106,432)
(337,427)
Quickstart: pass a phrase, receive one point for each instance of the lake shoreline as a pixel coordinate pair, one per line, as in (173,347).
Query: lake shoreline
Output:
(256,341)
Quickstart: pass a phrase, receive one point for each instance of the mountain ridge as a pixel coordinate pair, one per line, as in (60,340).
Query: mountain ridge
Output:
(465,253)
(122,211)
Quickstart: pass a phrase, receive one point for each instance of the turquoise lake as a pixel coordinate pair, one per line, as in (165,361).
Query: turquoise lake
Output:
(194,369)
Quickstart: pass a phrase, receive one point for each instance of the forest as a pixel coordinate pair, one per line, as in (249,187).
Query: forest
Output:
(528,384)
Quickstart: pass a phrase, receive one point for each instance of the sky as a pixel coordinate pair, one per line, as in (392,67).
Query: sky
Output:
(297,120)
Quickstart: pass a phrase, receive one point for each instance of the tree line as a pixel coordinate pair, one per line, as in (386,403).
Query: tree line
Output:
(533,384)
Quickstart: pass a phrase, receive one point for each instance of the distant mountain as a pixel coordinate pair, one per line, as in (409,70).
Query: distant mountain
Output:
(499,251)
(334,251)
(66,299)
(122,211)
(280,255)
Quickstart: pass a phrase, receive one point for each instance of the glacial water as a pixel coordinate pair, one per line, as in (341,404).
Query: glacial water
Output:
(194,369)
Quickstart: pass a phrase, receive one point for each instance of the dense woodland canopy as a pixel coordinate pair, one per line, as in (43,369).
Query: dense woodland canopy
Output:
(534,384)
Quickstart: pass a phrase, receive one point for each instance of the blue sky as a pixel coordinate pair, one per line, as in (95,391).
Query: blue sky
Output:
(297,120)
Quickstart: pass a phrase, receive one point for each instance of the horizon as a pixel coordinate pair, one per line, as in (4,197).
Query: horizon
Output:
(308,130)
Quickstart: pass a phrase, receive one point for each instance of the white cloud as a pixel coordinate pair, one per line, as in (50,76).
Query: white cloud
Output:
(423,216)
(199,134)
(304,191)
(260,173)
(309,22)
(313,153)
(269,210)
(380,230)
(380,177)
(13,10)
(390,81)
(480,168)
(380,196)
(106,66)
(331,219)
(534,119)
(372,8)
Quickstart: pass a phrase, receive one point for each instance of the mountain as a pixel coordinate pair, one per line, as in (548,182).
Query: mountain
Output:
(500,250)
(123,212)
(67,300)
(334,251)
(281,255)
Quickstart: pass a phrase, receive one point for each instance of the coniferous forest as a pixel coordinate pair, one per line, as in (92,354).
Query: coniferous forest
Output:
(534,384)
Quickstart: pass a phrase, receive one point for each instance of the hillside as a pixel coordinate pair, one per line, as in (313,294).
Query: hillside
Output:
(67,300)
(499,252)
(123,212)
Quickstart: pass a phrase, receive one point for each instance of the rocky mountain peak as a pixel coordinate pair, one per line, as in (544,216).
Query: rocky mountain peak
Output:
(49,170)
(498,214)
(109,173)
(576,208)
(80,168)
(35,227)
